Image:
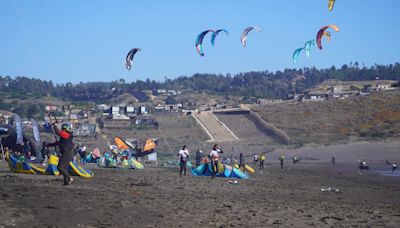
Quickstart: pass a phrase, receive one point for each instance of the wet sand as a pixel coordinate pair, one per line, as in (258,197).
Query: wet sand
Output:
(157,197)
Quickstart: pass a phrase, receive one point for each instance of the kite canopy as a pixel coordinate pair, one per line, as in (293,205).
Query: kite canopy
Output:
(321,33)
(199,41)
(243,39)
(330,4)
(215,34)
(308,45)
(129,57)
(296,54)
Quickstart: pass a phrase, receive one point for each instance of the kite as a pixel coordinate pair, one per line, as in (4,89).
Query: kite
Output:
(199,41)
(245,32)
(321,33)
(215,34)
(330,4)
(129,57)
(296,54)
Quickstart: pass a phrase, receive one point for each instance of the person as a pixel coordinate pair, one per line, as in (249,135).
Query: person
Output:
(295,159)
(183,157)
(333,160)
(199,156)
(66,145)
(394,167)
(255,160)
(45,153)
(281,158)
(214,159)
(27,150)
(262,159)
(362,166)
(81,150)
(241,162)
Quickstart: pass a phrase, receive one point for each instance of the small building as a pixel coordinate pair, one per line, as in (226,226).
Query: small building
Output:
(51,108)
(160,108)
(130,111)
(103,107)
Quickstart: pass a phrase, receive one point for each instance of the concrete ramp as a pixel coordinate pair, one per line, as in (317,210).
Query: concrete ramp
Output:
(216,129)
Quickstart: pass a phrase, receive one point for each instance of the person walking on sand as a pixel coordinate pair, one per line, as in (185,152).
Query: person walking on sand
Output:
(183,157)
(66,145)
(262,159)
(241,162)
(281,159)
(214,159)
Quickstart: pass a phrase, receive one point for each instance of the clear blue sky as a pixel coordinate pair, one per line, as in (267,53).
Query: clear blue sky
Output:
(77,40)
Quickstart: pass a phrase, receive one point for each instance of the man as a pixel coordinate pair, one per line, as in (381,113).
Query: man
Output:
(255,160)
(281,158)
(214,159)
(262,159)
(241,162)
(199,156)
(66,145)
(81,150)
(333,160)
(183,157)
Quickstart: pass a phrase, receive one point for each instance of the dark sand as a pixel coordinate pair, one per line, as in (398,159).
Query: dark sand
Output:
(157,197)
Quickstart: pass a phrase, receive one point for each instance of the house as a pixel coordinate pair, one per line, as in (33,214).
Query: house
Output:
(103,107)
(161,91)
(51,108)
(160,108)
(130,111)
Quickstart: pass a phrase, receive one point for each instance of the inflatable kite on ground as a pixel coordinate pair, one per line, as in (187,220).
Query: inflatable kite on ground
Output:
(136,152)
(296,54)
(215,34)
(19,165)
(243,39)
(129,57)
(199,41)
(205,169)
(330,4)
(118,159)
(320,34)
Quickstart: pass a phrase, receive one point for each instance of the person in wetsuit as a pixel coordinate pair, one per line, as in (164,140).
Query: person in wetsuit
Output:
(66,145)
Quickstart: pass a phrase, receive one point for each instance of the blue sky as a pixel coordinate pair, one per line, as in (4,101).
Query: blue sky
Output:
(76,40)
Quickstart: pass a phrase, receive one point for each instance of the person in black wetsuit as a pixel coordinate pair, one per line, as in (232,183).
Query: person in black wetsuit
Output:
(66,145)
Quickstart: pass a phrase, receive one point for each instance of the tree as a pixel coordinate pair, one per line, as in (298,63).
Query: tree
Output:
(170,100)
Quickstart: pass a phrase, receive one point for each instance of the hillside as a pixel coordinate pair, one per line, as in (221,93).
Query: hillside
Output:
(373,117)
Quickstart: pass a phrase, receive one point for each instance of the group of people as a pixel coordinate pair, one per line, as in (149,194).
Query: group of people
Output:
(214,158)
(183,157)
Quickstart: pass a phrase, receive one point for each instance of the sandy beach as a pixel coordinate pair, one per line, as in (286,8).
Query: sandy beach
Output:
(157,197)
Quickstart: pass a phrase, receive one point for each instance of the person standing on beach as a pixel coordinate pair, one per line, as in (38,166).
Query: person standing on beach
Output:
(241,162)
(394,167)
(199,156)
(333,160)
(281,159)
(66,145)
(262,159)
(255,160)
(214,155)
(183,157)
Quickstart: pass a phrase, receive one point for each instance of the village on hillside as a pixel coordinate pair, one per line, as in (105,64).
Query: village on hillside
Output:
(130,114)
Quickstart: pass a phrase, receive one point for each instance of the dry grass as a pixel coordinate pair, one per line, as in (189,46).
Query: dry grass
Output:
(373,117)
